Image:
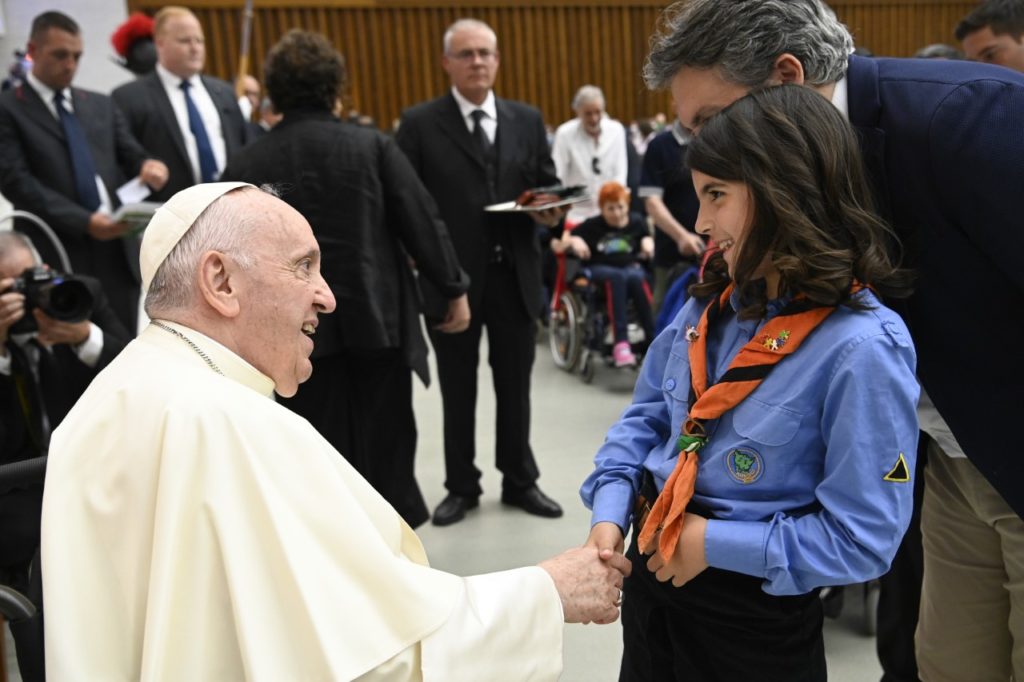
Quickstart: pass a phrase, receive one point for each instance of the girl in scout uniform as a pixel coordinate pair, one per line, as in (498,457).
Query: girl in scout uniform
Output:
(769,445)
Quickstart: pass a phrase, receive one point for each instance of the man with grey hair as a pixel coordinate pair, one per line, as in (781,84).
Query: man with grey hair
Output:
(473,149)
(203,517)
(943,146)
(589,150)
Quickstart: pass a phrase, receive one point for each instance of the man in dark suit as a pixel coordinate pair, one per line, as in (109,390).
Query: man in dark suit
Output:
(370,214)
(190,121)
(943,145)
(64,160)
(42,374)
(472,149)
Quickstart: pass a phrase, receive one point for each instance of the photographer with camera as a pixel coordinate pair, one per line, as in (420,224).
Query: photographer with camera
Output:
(56,332)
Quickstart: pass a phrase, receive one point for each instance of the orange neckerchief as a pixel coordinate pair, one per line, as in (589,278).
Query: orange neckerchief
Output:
(780,336)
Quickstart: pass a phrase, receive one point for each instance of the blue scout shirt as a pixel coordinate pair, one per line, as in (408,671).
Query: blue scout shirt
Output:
(807,481)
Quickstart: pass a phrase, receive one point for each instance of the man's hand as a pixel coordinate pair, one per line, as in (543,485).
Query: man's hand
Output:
(607,538)
(12,309)
(549,216)
(690,244)
(154,173)
(457,318)
(688,561)
(103,227)
(589,587)
(53,332)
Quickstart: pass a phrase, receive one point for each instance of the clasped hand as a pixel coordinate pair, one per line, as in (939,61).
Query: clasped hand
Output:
(687,561)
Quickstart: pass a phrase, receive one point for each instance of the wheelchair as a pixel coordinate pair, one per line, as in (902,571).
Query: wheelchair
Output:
(581,328)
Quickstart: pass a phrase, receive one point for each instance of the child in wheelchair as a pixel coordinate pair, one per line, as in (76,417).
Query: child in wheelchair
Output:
(615,245)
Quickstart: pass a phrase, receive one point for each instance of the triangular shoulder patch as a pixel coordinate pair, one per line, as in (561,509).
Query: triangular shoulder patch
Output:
(900,473)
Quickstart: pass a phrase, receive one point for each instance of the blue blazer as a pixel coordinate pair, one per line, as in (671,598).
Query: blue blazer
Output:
(944,144)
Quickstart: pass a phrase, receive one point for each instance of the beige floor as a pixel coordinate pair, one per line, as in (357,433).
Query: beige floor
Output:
(569,422)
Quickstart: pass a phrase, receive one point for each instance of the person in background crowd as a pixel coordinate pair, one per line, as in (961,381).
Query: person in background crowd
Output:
(994,33)
(189,120)
(589,150)
(472,149)
(64,151)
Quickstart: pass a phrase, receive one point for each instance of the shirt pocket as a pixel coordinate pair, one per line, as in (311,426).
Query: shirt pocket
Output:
(769,425)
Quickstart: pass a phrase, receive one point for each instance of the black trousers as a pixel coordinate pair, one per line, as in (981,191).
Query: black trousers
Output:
(900,596)
(361,402)
(511,331)
(719,627)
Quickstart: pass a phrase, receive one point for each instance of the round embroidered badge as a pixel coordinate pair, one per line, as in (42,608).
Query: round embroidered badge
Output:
(745,465)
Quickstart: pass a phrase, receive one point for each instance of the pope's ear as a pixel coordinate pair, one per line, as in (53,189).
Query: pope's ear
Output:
(787,69)
(218,277)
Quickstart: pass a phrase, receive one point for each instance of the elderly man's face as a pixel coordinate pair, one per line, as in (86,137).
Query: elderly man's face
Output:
(472,62)
(590,114)
(699,94)
(282,294)
(1003,49)
(180,46)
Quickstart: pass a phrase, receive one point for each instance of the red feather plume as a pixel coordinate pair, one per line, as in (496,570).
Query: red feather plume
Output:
(137,26)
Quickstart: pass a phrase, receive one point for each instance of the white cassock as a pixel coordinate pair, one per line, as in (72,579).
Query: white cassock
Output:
(194,529)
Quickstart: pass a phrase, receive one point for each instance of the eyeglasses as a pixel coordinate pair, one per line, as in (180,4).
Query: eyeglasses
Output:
(467,55)
(595,165)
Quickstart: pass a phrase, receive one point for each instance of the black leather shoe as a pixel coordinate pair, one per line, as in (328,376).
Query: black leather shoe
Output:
(532,501)
(453,509)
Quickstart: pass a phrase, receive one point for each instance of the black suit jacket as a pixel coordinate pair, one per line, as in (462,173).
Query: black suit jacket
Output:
(148,109)
(36,176)
(943,143)
(435,138)
(62,379)
(370,214)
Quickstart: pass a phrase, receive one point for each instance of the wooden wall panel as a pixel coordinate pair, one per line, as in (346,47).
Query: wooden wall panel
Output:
(548,47)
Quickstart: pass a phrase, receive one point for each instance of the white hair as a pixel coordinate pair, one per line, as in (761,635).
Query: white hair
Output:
(587,94)
(222,227)
(466,24)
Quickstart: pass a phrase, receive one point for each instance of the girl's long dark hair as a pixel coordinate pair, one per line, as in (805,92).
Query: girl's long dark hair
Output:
(812,207)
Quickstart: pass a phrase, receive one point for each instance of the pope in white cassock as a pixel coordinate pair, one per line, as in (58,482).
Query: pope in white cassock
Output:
(193,529)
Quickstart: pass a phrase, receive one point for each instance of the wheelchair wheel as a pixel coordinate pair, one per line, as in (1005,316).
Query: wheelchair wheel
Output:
(565,333)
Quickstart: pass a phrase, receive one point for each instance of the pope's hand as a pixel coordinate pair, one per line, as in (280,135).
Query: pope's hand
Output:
(589,587)
(688,561)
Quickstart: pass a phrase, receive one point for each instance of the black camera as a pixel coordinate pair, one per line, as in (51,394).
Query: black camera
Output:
(63,297)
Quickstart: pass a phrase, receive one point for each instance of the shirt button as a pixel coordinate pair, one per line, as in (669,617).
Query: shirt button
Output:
(670,385)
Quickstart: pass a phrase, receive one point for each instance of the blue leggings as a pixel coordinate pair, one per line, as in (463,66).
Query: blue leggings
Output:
(627,281)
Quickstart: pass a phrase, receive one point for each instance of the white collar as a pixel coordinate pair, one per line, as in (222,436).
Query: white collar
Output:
(44,91)
(679,132)
(841,97)
(173,82)
(232,365)
(467,108)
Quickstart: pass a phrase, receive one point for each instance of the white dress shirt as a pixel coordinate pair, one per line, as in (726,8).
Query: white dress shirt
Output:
(575,152)
(207,111)
(488,122)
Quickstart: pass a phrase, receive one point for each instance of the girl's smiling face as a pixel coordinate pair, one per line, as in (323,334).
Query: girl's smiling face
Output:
(726,215)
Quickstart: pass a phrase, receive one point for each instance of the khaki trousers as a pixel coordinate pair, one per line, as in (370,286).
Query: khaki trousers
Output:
(971,626)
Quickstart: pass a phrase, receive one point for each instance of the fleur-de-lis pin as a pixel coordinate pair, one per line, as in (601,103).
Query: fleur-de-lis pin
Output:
(692,334)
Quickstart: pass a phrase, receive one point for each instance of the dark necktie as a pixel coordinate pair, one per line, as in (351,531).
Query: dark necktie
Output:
(207,162)
(478,132)
(82,166)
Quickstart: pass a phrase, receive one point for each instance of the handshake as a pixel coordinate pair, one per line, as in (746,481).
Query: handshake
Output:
(589,581)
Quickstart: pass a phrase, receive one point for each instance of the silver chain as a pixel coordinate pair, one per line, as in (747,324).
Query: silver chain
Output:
(191,344)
